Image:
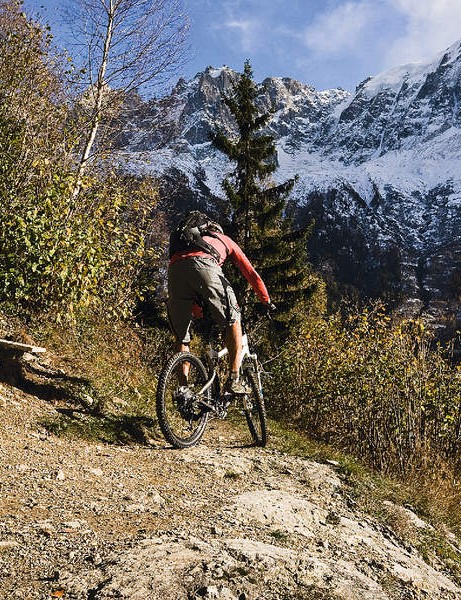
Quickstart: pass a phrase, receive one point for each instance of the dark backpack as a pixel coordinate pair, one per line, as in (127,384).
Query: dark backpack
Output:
(190,231)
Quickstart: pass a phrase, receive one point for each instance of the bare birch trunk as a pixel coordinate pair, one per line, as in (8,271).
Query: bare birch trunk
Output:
(99,98)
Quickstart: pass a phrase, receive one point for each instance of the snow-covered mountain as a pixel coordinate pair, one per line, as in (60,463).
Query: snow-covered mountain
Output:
(379,170)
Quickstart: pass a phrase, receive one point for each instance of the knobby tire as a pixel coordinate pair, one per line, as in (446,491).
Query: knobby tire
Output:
(256,416)
(176,430)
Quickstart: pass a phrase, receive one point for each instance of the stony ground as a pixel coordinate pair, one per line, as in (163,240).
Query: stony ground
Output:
(94,521)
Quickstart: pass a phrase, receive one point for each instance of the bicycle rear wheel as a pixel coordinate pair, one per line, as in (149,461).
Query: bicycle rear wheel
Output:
(181,416)
(254,409)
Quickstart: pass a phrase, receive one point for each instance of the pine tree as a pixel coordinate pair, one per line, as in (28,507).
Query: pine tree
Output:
(258,207)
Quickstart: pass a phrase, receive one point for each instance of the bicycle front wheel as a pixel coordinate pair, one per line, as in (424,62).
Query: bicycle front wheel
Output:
(254,409)
(181,415)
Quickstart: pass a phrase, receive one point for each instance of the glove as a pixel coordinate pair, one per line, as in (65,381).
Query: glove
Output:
(270,308)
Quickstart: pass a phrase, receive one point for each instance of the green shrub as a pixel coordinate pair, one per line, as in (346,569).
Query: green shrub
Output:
(59,254)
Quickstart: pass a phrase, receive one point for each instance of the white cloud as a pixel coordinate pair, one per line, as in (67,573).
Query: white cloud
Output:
(368,36)
(431,26)
(247,31)
(339,30)
(240,24)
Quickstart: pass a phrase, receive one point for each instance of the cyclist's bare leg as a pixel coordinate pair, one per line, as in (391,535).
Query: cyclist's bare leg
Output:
(234,345)
(183,375)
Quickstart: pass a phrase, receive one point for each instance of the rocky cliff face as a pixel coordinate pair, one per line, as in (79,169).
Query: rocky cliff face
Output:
(379,169)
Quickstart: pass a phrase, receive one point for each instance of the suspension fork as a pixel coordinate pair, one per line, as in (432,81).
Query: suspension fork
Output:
(253,358)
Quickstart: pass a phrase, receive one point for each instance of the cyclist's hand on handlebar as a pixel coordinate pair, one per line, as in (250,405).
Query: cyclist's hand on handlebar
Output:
(270,308)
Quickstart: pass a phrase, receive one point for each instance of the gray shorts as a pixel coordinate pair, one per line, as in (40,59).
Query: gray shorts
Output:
(201,280)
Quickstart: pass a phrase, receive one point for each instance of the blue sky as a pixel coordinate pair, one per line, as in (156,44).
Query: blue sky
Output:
(324,43)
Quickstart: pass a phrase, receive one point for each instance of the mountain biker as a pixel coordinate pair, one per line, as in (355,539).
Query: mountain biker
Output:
(195,278)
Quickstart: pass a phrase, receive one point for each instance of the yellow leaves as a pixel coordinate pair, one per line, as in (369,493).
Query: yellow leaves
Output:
(373,383)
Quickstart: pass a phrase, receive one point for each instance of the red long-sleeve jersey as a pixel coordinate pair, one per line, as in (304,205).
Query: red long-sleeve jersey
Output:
(227,248)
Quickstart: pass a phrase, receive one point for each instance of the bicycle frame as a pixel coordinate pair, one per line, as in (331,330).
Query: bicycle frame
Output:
(214,356)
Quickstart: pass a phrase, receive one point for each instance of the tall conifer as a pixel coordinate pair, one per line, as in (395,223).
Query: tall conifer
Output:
(259,222)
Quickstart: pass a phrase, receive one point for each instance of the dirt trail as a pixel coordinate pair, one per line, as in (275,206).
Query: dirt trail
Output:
(86,520)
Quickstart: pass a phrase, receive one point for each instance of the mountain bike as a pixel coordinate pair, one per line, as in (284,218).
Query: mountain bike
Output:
(189,392)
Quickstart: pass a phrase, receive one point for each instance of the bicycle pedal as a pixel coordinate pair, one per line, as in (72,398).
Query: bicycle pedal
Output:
(221,412)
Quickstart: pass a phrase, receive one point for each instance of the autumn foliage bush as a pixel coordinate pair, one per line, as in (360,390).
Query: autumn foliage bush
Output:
(59,252)
(374,387)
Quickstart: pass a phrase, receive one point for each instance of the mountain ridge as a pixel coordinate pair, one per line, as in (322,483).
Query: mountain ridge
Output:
(378,169)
